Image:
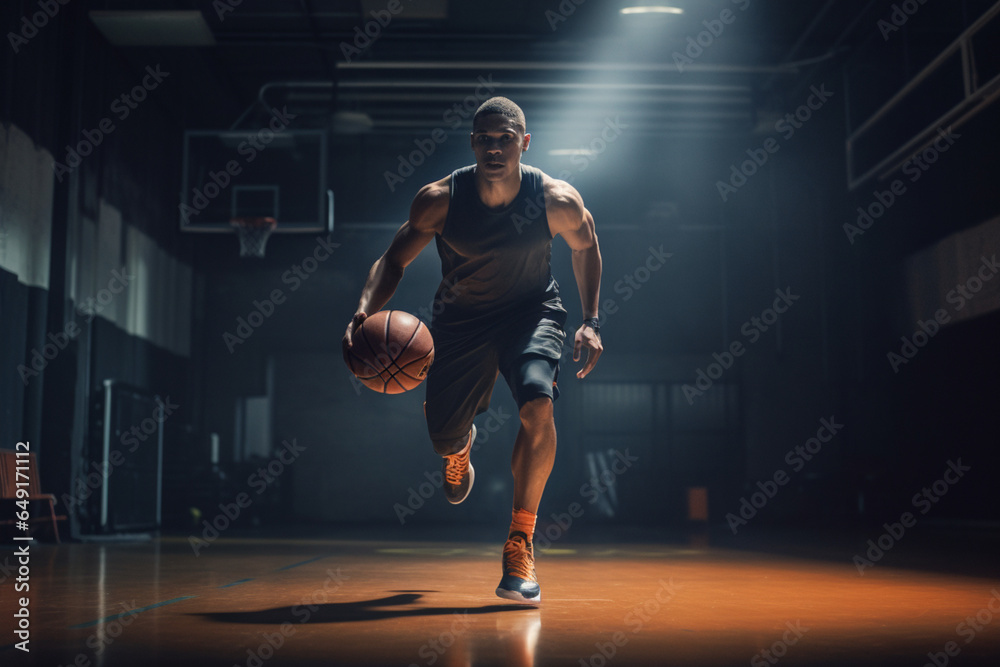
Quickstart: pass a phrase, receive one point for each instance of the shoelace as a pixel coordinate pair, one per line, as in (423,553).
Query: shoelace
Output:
(456,467)
(517,559)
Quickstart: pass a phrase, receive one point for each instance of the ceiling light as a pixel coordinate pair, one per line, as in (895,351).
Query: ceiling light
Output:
(351,122)
(560,152)
(153,28)
(652,9)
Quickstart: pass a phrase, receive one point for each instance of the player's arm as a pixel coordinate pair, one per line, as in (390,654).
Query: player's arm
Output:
(427,214)
(570,219)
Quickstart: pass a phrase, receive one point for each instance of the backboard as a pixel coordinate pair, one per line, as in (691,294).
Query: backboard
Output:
(228,175)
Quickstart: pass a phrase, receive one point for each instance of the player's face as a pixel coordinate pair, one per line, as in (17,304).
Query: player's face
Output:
(498,143)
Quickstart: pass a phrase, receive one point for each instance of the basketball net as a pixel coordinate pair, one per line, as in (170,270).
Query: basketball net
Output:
(253,233)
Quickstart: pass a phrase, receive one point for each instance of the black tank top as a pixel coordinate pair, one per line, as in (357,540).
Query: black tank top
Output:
(495,263)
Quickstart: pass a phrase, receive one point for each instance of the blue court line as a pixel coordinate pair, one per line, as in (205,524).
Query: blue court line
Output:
(236,583)
(289,567)
(130,613)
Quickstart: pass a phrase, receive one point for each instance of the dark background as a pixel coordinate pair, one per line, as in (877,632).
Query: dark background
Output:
(366,455)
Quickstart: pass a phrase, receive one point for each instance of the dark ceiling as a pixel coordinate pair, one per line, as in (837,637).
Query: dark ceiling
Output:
(547,54)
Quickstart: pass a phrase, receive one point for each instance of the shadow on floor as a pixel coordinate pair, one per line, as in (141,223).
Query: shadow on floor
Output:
(344,612)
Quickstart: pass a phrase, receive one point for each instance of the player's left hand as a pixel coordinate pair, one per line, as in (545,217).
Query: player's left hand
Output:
(586,337)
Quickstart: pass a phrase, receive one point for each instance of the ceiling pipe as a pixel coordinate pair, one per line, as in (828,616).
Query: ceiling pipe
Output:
(654,87)
(435,98)
(705,68)
(733,90)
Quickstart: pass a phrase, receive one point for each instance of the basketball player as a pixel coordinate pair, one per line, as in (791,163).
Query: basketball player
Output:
(493,223)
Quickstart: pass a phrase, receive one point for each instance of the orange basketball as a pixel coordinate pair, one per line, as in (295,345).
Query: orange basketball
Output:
(391,352)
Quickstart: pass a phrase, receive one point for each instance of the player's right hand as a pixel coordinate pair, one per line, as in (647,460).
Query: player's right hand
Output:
(356,321)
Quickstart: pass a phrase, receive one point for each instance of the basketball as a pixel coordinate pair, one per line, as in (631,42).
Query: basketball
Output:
(391,353)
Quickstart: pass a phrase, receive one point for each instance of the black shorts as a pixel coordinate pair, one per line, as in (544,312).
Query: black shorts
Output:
(526,350)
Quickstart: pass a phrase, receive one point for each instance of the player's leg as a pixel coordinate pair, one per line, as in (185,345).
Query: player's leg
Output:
(534,452)
(459,386)
(532,377)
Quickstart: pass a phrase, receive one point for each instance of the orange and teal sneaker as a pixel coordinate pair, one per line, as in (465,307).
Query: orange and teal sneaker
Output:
(519,582)
(458,472)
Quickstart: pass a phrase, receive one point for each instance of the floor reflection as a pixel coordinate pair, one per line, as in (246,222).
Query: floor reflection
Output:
(518,634)
(514,643)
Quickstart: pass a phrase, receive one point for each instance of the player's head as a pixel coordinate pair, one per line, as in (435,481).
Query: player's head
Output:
(499,138)
(504,107)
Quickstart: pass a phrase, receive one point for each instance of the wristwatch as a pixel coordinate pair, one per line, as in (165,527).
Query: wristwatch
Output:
(594,324)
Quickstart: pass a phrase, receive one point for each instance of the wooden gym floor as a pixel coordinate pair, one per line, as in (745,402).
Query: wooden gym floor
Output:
(253,601)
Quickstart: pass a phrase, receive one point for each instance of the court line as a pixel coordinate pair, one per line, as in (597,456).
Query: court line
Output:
(305,562)
(236,583)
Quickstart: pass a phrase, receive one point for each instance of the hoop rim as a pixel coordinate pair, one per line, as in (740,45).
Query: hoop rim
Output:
(253,232)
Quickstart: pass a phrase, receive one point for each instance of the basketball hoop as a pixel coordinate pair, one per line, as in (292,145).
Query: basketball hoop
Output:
(253,233)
